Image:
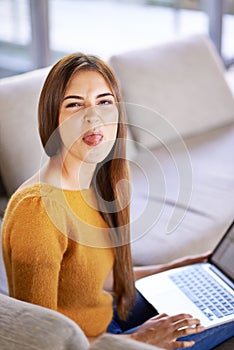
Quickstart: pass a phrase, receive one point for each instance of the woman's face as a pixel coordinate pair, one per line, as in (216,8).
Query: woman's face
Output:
(88,119)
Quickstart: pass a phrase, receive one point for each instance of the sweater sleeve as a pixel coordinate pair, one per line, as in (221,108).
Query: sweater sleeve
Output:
(34,250)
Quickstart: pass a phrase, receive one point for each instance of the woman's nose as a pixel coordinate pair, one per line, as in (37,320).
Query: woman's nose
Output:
(91,116)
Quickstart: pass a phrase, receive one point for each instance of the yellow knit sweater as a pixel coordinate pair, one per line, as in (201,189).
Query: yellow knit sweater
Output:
(56,254)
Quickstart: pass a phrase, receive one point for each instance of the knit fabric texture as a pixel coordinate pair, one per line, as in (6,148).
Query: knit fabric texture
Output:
(57,255)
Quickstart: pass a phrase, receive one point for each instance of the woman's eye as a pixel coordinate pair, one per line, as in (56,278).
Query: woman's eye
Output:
(105,102)
(74,105)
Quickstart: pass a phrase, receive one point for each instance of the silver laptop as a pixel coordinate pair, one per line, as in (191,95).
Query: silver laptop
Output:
(203,290)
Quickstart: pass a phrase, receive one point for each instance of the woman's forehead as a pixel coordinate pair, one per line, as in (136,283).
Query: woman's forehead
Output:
(88,79)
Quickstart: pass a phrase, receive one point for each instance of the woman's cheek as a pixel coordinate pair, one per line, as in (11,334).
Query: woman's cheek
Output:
(70,130)
(111,131)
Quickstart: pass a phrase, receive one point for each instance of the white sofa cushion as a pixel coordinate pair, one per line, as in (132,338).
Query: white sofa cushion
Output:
(174,89)
(183,219)
(20,146)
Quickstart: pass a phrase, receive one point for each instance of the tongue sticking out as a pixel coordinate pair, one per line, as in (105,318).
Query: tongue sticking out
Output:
(93,139)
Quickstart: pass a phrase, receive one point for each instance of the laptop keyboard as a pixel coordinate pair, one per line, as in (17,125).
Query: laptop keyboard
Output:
(205,292)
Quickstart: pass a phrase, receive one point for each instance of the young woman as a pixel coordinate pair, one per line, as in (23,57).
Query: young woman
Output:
(66,230)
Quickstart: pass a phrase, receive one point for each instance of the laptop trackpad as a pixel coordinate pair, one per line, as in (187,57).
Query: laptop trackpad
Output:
(163,294)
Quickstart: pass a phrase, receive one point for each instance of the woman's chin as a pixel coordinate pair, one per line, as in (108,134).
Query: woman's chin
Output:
(98,153)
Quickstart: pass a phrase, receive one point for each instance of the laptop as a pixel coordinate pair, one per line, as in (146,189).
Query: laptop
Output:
(204,290)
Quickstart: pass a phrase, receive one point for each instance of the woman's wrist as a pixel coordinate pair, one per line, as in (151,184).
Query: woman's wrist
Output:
(144,271)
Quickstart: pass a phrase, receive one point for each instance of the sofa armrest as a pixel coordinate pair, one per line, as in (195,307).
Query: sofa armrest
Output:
(27,326)
(115,342)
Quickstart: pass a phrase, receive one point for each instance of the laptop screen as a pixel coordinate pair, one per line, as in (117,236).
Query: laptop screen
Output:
(223,256)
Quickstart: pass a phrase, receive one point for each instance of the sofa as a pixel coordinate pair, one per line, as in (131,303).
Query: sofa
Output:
(180,108)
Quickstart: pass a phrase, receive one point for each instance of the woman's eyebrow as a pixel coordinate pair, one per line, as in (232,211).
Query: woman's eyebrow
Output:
(73,96)
(82,98)
(104,94)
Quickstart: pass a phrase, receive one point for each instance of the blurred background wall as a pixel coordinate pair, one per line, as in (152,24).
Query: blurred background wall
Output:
(36,33)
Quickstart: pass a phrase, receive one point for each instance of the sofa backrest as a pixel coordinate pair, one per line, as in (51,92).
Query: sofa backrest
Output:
(174,90)
(20,146)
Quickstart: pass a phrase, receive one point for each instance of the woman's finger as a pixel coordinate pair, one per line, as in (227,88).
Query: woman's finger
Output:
(188,331)
(186,322)
(182,344)
(180,317)
(158,317)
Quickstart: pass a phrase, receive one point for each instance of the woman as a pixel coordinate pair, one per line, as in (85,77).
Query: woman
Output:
(66,230)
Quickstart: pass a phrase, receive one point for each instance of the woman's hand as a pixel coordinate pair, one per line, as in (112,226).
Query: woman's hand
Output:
(143,271)
(163,330)
(188,260)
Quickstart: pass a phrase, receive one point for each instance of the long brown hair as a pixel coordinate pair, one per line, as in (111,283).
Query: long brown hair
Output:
(108,173)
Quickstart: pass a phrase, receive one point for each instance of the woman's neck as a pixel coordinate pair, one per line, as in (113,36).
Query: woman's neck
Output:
(68,172)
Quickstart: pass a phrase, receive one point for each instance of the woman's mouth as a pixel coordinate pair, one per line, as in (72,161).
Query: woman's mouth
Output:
(93,138)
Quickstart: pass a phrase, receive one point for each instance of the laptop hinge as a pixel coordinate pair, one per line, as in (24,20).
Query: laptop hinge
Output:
(222,276)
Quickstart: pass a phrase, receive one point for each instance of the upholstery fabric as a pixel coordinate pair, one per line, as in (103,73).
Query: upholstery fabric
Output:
(20,147)
(173,90)
(107,342)
(26,326)
(191,212)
